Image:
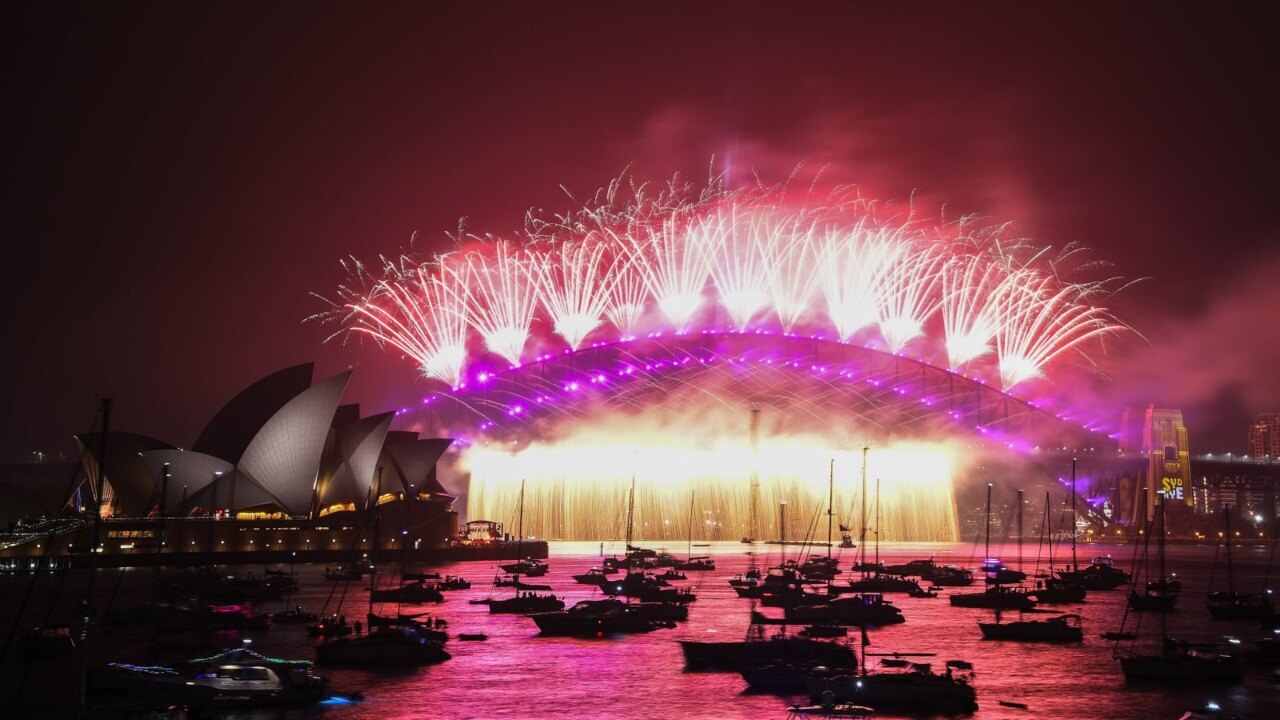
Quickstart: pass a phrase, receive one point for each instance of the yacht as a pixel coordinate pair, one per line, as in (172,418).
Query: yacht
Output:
(758,650)
(594,618)
(531,567)
(865,610)
(899,685)
(239,677)
(995,597)
(1064,628)
(393,645)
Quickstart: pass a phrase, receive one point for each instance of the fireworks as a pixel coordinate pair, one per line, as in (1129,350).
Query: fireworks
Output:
(707,257)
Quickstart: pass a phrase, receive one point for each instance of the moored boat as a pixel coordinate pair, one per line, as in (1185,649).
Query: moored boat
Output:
(385,646)
(1064,628)
(239,677)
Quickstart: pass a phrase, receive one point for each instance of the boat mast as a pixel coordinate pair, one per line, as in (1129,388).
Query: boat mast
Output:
(1019,530)
(831,494)
(1046,528)
(1226,526)
(862,531)
(373,549)
(987,548)
(519,539)
(877,525)
(753,527)
(1164,589)
(631,508)
(689,550)
(1075,563)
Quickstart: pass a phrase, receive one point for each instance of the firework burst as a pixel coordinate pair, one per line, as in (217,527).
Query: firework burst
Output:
(817,264)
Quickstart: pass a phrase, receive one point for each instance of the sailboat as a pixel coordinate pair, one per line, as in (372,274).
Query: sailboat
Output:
(900,684)
(877,580)
(702,562)
(1157,596)
(1101,574)
(1174,661)
(996,596)
(1053,590)
(524,601)
(1232,605)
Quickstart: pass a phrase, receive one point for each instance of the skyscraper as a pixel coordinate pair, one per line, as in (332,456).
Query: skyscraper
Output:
(1264,435)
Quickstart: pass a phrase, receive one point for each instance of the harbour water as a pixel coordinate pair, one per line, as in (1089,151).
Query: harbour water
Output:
(518,674)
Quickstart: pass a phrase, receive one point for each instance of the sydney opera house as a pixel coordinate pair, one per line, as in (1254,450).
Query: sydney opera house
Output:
(283,471)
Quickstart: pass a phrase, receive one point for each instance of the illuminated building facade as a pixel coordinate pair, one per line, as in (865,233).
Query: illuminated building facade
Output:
(1264,436)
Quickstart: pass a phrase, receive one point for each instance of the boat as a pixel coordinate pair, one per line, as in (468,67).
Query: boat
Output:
(524,602)
(997,573)
(1101,574)
(758,650)
(531,567)
(1064,628)
(294,616)
(829,710)
(641,586)
(996,596)
(1189,665)
(396,645)
(672,574)
(1232,605)
(1173,661)
(343,572)
(453,582)
(514,582)
(1050,590)
(1056,591)
(331,626)
(900,685)
(410,593)
(1161,594)
(697,563)
(47,642)
(864,610)
(239,677)
(877,583)
(596,618)
(421,576)
(473,637)
(594,576)
(750,579)
(949,576)
(918,568)
(661,611)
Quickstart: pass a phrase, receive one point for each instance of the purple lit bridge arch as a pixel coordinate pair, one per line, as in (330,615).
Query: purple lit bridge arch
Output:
(804,381)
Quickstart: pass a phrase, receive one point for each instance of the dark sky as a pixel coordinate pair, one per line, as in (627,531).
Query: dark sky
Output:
(177,177)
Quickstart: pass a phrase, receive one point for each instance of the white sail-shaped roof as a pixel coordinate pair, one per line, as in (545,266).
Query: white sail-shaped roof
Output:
(357,446)
(284,456)
(189,473)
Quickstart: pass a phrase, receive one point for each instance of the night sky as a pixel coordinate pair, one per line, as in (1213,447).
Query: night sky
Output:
(178,177)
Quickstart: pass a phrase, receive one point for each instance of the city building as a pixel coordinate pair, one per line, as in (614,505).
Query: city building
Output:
(1264,435)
